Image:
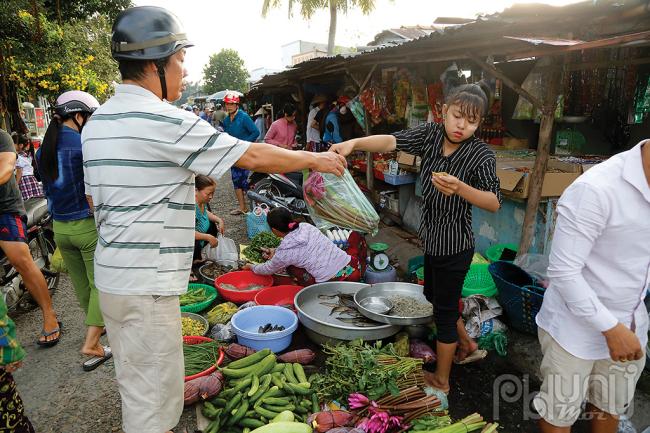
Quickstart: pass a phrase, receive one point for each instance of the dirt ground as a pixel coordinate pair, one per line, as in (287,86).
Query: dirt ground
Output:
(61,398)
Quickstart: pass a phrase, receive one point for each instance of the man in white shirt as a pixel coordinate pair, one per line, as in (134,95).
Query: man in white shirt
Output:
(313,128)
(140,157)
(593,324)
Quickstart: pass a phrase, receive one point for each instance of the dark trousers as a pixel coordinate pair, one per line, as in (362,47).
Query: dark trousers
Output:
(443,284)
(12,419)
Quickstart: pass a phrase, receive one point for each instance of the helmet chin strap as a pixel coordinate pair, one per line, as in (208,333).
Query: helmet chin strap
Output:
(160,65)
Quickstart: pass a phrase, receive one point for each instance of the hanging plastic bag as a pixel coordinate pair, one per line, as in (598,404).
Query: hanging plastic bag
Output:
(335,201)
(256,221)
(225,253)
(57,263)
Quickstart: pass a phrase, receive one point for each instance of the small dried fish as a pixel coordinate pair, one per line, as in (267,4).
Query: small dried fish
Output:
(339,309)
(329,304)
(228,286)
(327,296)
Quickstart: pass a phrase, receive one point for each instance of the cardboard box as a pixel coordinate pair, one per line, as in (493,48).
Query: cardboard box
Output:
(511,143)
(408,159)
(517,183)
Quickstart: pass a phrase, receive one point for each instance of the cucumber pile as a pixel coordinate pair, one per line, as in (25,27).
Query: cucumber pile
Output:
(258,390)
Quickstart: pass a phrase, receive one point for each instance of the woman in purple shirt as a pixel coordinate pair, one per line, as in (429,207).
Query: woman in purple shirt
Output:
(307,254)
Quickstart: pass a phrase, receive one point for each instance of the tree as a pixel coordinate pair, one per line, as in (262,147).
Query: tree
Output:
(225,70)
(45,56)
(309,7)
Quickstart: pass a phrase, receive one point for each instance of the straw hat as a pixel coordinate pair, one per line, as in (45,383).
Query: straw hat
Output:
(318,99)
(259,112)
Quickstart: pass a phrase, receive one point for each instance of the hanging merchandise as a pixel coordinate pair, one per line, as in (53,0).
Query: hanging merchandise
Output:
(373,101)
(402,91)
(436,100)
(535,84)
(356,107)
(642,98)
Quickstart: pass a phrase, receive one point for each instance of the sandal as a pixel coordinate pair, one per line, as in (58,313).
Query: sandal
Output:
(53,342)
(96,361)
(193,278)
(236,212)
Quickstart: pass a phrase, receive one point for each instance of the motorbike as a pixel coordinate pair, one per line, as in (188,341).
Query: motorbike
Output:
(40,239)
(278,190)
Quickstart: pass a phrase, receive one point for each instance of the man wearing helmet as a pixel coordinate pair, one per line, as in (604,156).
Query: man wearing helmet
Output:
(240,125)
(140,158)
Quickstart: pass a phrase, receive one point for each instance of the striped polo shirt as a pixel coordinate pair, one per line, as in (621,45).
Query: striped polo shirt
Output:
(140,157)
(446,223)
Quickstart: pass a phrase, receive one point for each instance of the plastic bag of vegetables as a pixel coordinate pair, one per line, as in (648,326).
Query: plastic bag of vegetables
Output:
(338,202)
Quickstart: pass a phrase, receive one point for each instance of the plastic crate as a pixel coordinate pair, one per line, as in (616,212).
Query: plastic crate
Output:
(520,298)
(494,252)
(402,179)
(478,281)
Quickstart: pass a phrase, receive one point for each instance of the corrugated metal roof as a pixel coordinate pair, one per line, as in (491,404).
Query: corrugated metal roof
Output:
(507,34)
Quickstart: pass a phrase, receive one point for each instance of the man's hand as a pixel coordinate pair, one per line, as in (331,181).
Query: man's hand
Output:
(448,184)
(330,162)
(345,148)
(247,267)
(623,344)
(212,241)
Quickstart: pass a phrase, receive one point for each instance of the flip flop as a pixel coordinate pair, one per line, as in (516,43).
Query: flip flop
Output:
(477,355)
(96,361)
(50,343)
(236,212)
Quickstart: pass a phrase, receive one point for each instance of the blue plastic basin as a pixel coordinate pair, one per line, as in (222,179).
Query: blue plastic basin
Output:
(245,325)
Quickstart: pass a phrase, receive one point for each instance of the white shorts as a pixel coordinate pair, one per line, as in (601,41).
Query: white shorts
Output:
(568,380)
(146,340)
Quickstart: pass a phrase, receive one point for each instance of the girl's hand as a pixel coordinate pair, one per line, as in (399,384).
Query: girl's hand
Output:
(268,253)
(213,241)
(247,267)
(222,226)
(447,185)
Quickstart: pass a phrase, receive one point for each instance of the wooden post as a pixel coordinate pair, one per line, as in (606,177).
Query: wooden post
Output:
(302,118)
(541,160)
(370,169)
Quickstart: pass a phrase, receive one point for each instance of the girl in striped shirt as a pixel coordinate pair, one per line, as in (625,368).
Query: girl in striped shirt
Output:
(458,172)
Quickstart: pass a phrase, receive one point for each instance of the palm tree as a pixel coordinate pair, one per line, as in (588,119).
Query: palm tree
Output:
(309,7)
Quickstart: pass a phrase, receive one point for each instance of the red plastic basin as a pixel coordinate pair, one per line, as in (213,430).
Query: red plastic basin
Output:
(241,279)
(277,295)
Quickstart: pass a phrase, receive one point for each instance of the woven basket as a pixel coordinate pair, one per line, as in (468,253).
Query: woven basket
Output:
(520,298)
(478,281)
(197,340)
(195,308)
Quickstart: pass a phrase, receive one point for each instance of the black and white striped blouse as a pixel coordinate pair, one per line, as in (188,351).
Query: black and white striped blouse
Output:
(446,224)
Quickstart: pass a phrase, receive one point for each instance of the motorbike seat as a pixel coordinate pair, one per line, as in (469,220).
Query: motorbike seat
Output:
(36,209)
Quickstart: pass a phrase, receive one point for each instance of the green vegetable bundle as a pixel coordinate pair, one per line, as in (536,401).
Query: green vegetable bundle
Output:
(200,357)
(371,370)
(261,240)
(258,391)
(193,297)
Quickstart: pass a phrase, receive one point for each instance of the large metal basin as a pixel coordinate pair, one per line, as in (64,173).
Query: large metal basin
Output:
(325,327)
(387,290)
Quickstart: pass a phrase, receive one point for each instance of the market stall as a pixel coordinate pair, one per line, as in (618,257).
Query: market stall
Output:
(570,82)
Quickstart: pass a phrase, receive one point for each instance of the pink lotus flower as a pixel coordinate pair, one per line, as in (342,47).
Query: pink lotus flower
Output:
(358,401)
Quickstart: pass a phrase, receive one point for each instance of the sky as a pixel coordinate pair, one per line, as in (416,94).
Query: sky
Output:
(238,24)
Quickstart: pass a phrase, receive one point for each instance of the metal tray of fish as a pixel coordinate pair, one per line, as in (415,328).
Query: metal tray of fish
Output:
(328,310)
(388,290)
